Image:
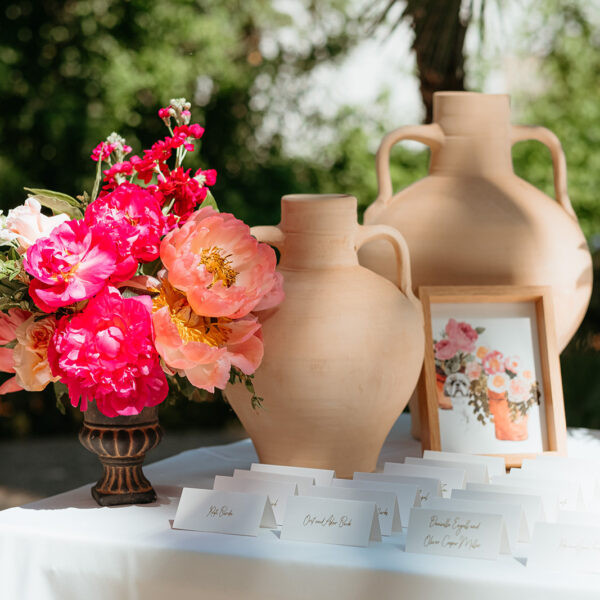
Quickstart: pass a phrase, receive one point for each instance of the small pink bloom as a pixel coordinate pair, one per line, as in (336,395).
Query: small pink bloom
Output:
(9,324)
(221,268)
(106,353)
(473,370)
(462,335)
(519,390)
(73,263)
(513,364)
(493,362)
(26,224)
(445,349)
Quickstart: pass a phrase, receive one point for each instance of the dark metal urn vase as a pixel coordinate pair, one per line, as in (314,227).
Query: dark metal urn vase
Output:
(121,444)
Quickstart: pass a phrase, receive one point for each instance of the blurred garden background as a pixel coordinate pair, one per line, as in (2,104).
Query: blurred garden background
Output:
(295,96)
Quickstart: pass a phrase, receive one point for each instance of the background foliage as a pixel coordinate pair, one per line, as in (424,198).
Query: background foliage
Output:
(71,72)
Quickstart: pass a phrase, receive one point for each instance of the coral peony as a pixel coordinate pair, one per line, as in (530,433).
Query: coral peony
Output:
(106,353)
(70,265)
(31,353)
(493,362)
(9,323)
(473,370)
(462,335)
(26,224)
(203,348)
(221,268)
(445,349)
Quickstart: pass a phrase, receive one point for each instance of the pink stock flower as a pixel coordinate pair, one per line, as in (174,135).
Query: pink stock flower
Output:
(31,353)
(9,323)
(73,263)
(462,335)
(445,349)
(184,191)
(131,218)
(473,370)
(221,268)
(103,150)
(493,363)
(26,224)
(106,353)
(203,348)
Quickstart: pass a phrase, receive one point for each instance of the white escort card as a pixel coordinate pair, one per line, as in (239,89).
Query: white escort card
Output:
(321,476)
(511,513)
(428,487)
(331,521)
(449,477)
(455,533)
(570,548)
(495,464)
(223,512)
(303,483)
(528,507)
(474,473)
(568,488)
(576,517)
(277,491)
(407,495)
(386,503)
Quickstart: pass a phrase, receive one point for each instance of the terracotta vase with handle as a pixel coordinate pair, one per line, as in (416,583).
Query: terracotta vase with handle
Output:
(344,349)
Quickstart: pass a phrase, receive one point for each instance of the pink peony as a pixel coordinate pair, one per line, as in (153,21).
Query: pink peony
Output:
(445,349)
(462,335)
(131,218)
(221,268)
(473,370)
(9,323)
(70,265)
(203,348)
(106,353)
(493,362)
(26,224)
(31,353)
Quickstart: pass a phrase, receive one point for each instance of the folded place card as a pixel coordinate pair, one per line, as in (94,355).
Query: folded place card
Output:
(386,503)
(474,473)
(511,513)
(301,481)
(561,547)
(407,495)
(576,517)
(494,464)
(277,491)
(528,507)
(223,512)
(456,533)
(449,477)
(428,487)
(321,476)
(331,521)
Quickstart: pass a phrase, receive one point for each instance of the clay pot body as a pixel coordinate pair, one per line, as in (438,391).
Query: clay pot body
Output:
(472,221)
(121,444)
(505,428)
(344,349)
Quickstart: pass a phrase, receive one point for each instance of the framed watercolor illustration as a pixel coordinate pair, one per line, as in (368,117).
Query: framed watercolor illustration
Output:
(491,379)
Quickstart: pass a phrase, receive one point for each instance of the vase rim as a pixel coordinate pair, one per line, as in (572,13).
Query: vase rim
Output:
(314,197)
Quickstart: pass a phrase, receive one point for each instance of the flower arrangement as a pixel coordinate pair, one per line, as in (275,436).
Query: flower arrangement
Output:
(139,285)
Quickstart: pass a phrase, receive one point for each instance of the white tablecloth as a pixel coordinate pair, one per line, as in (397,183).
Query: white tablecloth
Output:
(67,548)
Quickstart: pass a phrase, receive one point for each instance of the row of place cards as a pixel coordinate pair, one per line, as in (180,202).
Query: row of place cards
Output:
(450,504)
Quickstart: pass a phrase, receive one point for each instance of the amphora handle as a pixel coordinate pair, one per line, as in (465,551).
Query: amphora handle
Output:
(270,235)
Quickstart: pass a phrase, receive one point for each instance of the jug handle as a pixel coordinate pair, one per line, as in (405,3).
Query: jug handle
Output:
(520,133)
(270,235)
(369,233)
(431,135)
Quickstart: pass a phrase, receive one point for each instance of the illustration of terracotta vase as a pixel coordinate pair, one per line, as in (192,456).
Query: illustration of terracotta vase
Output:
(344,349)
(506,428)
(444,401)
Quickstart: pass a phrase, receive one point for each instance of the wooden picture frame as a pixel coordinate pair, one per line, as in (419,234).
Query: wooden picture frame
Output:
(537,402)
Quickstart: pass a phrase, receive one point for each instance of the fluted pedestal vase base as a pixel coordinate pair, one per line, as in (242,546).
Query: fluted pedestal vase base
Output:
(121,444)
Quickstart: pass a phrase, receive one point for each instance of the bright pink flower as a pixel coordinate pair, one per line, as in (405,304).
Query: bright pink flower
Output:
(462,335)
(106,353)
(186,192)
(131,218)
(9,323)
(73,263)
(203,348)
(493,362)
(473,370)
(208,177)
(164,113)
(445,349)
(111,175)
(103,150)
(221,268)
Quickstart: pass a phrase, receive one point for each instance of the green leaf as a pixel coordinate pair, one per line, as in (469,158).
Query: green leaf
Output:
(58,195)
(210,201)
(479,330)
(59,205)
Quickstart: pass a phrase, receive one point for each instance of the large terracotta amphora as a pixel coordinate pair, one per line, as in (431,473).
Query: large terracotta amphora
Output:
(344,349)
(472,221)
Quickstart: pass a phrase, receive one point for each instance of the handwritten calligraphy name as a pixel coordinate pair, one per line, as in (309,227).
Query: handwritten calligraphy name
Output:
(219,512)
(329,521)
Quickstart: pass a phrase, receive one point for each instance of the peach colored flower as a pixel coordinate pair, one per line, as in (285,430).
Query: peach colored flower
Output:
(9,323)
(493,362)
(473,370)
(31,353)
(519,390)
(219,266)
(481,352)
(513,364)
(26,224)
(527,375)
(203,348)
(498,383)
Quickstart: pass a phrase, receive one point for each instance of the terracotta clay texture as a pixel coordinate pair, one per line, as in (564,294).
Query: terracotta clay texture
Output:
(343,351)
(472,221)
